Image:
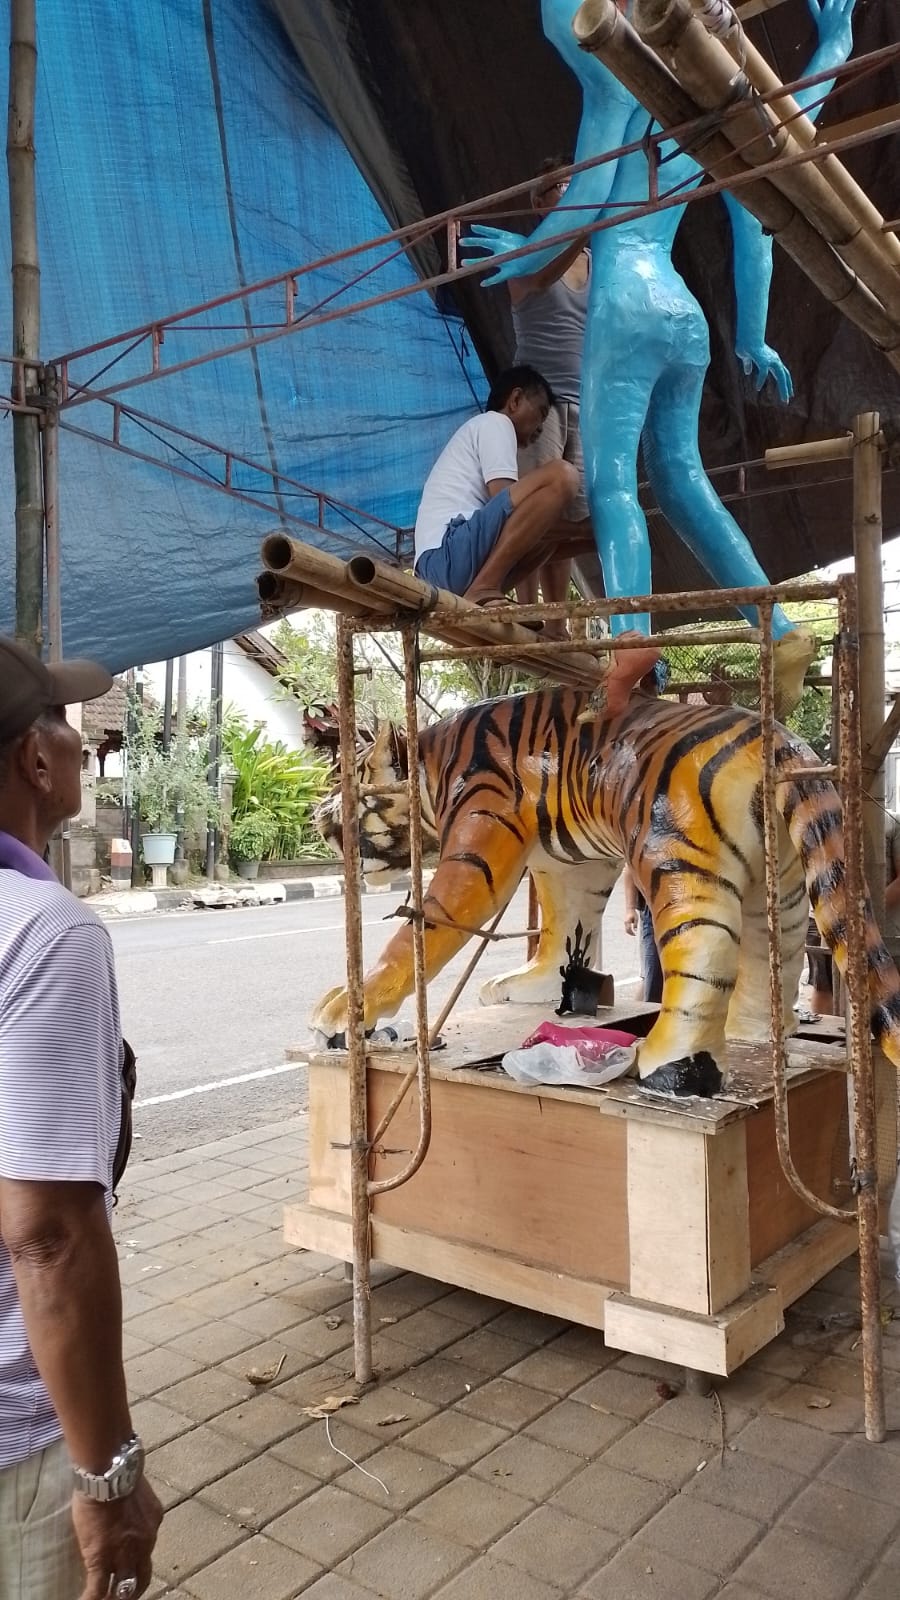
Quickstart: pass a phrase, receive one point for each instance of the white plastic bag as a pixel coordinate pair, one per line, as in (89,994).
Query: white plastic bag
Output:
(562,1064)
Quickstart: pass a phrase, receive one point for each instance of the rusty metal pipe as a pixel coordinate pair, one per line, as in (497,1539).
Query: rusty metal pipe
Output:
(356,1041)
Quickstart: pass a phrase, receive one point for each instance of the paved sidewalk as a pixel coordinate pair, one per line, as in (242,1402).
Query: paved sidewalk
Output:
(111,904)
(519,1458)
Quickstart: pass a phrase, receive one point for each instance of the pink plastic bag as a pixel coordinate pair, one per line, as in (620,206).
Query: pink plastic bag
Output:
(593,1044)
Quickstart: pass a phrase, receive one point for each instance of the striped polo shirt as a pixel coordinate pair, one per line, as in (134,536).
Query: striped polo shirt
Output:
(60,1088)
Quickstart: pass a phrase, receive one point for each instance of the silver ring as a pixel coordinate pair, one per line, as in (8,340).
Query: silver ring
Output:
(126,1589)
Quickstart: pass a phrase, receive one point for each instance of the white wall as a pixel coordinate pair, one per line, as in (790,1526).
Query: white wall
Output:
(247,687)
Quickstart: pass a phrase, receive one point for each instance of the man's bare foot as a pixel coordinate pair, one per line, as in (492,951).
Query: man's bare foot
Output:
(555,631)
(627,668)
(488,599)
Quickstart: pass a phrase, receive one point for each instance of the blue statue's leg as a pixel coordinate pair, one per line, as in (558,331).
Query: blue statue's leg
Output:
(685,495)
(614,399)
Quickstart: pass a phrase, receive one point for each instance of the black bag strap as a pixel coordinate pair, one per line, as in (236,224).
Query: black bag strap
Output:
(129,1085)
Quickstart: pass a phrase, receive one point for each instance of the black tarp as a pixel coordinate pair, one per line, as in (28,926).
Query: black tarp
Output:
(440,101)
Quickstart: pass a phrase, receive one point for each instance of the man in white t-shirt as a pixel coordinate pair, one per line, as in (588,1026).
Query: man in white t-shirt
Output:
(481,527)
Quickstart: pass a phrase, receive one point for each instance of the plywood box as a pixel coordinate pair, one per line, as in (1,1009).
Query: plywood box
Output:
(667,1223)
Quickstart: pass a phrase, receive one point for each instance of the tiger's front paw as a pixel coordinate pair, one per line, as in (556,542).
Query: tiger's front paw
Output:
(527,987)
(329,1015)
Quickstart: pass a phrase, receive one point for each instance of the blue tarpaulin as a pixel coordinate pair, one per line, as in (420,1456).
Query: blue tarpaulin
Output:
(182,153)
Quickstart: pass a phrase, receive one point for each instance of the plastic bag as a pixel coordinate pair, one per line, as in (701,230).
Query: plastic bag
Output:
(593,1044)
(564,1064)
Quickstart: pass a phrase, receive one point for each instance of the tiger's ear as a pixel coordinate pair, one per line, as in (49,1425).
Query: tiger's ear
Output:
(381,758)
(400,750)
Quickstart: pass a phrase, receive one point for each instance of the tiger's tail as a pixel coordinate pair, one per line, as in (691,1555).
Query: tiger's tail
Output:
(812,813)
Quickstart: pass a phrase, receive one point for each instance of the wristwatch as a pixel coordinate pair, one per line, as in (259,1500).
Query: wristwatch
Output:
(121,1477)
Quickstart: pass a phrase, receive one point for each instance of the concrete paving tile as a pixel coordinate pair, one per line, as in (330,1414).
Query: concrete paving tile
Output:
(781,1358)
(158,1369)
(135,1302)
(164,1324)
(269,1317)
(586,1344)
(527,1467)
(553,1546)
(181,1283)
(318,1296)
(624,1393)
(471,1512)
(701,1533)
(803,1403)
(213,1342)
(409,1477)
(660,1371)
(490,1579)
(439,1381)
(475,1310)
(488,1352)
(747,1484)
(154,1206)
(738,1591)
(427,1329)
(311,1386)
(146,1237)
(642,1574)
(270,1356)
(787,1444)
(259,1490)
(329,1524)
(224,1297)
(506,1404)
(261,1568)
(261,1420)
(530,1327)
(699,1417)
(320,1342)
(603,1497)
(667,1458)
(132,1346)
(832,1374)
(455,1438)
(836,1515)
(750,1388)
(204,1394)
(552,1370)
(157,1424)
(804,1567)
(581,1429)
(873,1472)
(408,1293)
(406,1562)
(390,1413)
(882,1585)
(310,1452)
(334,1587)
(196,1458)
(191,1537)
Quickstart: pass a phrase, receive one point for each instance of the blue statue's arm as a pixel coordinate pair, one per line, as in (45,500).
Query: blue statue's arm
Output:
(604,126)
(752,279)
(752,249)
(834,20)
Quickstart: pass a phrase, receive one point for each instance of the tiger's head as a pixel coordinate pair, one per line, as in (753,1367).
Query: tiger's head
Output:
(383,769)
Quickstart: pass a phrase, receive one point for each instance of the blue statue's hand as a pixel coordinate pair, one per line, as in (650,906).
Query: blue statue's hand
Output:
(834,21)
(760,362)
(498,242)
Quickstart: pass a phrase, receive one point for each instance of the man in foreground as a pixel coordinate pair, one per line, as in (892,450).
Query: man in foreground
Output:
(480,527)
(78,1520)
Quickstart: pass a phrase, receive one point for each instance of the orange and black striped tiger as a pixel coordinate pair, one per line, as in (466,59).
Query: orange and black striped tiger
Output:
(674,790)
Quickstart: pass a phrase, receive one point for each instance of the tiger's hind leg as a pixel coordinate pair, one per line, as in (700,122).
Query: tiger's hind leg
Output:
(698,931)
(750,1011)
(567,895)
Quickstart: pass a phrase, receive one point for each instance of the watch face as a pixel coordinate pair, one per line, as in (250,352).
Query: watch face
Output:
(127,1474)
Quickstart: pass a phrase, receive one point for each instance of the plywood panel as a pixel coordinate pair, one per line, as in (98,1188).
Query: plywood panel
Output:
(667,1216)
(533,1178)
(818,1121)
(727,1207)
(329,1125)
(707,1344)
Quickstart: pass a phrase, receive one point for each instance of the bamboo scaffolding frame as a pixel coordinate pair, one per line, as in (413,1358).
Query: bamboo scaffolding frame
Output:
(706,71)
(26,322)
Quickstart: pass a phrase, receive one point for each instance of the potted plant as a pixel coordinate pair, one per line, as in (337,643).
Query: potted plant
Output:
(252,836)
(166,785)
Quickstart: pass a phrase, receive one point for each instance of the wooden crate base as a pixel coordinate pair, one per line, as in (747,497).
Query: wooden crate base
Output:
(666,1223)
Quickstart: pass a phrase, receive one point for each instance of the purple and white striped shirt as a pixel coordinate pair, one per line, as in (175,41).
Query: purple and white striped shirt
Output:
(60,1088)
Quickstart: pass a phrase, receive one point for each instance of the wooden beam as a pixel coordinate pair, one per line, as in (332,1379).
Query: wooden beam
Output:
(755,8)
(875,753)
(866,120)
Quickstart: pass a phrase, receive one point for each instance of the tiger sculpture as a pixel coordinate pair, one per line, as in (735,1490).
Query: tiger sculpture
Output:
(536,781)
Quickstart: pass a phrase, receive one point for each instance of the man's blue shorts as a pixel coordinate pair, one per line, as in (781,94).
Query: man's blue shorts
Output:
(455,563)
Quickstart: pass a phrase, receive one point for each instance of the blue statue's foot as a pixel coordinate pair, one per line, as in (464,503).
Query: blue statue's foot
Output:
(696,1074)
(794,653)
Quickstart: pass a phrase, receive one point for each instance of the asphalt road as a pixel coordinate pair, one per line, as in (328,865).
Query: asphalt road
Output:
(211,999)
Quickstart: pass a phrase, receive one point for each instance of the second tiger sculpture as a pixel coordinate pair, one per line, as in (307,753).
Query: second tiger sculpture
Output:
(534,781)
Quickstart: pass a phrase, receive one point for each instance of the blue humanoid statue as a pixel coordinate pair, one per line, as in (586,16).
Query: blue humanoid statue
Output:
(647,342)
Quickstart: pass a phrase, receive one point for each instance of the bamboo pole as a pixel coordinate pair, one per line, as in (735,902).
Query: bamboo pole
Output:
(867,538)
(706,71)
(786,109)
(26,318)
(603,31)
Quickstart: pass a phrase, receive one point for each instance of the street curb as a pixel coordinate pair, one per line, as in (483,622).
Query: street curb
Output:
(145,902)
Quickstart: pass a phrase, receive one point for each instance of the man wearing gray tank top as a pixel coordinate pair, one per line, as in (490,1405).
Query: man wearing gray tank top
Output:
(549,311)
